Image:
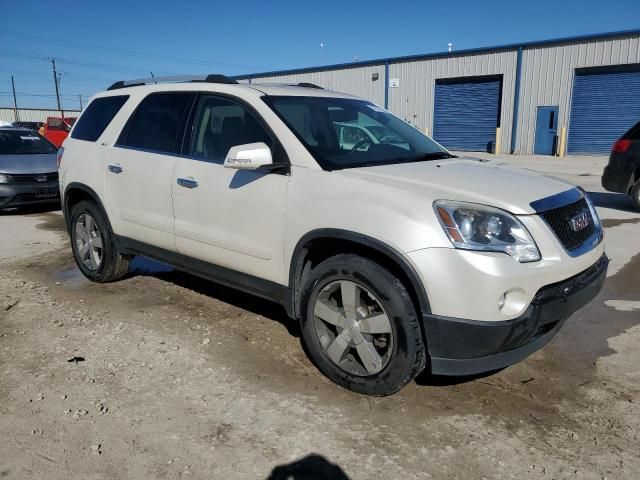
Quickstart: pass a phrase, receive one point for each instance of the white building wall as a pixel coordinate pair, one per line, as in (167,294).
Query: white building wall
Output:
(413,100)
(33,114)
(354,80)
(548,73)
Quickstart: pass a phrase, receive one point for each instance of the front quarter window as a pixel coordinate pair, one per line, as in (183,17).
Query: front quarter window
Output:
(350,133)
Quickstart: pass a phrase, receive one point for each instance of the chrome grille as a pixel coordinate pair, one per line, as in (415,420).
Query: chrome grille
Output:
(559,219)
(34,177)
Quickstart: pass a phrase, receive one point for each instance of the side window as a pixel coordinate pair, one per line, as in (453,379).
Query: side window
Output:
(97,117)
(220,124)
(299,116)
(155,124)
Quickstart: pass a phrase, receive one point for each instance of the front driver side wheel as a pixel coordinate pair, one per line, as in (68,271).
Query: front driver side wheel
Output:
(93,247)
(360,326)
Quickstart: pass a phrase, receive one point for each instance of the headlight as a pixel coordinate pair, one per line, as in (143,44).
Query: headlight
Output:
(4,178)
(471,226)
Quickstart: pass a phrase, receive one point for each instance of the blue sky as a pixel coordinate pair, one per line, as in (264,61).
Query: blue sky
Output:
(96,43)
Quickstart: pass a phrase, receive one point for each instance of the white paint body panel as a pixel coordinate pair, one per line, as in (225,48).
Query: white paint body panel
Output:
(252,221)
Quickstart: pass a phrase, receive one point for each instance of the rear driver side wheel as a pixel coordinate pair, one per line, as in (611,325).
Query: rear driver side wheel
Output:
(360,326)
(93,247)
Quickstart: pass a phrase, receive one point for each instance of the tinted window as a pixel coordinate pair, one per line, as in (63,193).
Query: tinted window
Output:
(221,124)
(23,142)
(97,117)
(156,122)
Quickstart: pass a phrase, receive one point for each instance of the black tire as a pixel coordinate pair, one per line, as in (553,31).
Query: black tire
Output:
(635,195)
(113,265)
(406,358)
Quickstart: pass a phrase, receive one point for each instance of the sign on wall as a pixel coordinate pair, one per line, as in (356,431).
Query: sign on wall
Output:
(394,82)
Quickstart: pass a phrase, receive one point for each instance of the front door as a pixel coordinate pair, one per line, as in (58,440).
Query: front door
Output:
(226,217)
(546,130)
(140,170)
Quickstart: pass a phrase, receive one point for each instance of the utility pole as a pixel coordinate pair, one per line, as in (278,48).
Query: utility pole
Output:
(56,82)
(80,98)
(15,102)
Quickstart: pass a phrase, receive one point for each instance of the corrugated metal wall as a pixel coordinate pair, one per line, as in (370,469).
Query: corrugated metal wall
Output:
(413,99)
(356,81)
(547,78)
(33,115)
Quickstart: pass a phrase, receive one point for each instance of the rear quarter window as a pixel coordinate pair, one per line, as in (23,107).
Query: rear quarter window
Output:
(97,117)
(156,123)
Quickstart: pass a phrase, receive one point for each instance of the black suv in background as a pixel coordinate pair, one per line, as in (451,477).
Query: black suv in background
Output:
(622,174)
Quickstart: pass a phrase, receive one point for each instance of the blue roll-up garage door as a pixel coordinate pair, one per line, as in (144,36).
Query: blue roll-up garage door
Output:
(467,113)
(604,105)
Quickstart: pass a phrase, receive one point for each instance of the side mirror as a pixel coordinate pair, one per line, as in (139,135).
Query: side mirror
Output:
(251,156)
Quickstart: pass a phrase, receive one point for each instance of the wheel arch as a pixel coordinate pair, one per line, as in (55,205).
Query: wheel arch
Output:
(318,245)
(76,192)
(635,177)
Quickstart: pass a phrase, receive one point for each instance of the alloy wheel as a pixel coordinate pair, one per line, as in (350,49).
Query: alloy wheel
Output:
(88,242)
(353,328)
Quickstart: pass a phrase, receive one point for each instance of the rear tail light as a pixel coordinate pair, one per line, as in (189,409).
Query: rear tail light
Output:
(621,146)
(59,156)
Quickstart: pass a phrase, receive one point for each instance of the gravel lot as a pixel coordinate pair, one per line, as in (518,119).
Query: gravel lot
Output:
(163,375)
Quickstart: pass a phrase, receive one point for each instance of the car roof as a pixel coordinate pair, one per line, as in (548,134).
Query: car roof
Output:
(258,89)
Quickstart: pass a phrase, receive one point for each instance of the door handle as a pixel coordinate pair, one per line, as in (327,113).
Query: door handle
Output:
(187,182)
(115,168)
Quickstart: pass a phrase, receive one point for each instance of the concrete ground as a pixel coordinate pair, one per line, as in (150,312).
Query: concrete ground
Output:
(163,375)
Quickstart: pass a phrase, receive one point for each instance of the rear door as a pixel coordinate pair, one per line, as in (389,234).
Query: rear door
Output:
(230,218)
(140,169)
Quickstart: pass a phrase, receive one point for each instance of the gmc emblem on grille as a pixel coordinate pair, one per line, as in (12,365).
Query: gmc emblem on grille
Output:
(580,221)
(42,178)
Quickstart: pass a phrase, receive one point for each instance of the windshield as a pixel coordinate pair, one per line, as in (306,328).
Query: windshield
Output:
(23,142)
(348,133)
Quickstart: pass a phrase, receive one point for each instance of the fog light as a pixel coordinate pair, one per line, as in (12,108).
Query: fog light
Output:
(513,302)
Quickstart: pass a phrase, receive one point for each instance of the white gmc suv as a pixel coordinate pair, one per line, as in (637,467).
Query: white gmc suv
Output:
(393,254)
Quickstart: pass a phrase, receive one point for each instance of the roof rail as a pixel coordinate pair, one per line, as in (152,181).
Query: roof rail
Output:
(309,85)
(211,78)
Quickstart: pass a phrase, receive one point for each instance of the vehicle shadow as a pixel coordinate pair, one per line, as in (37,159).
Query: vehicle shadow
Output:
(30,209)
(141,266)
(426,379)
(616,201)
(311,467)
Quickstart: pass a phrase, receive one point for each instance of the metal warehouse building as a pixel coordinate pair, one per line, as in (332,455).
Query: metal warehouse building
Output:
(575,94)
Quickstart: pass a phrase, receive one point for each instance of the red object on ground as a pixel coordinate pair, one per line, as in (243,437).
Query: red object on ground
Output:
(57,129)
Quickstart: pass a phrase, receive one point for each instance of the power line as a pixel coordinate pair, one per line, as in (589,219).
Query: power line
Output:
(65,60)
(126,52)
(43,95)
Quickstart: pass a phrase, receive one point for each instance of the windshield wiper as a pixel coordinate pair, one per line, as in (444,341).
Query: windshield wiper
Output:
(420,158)
(433,156)
(426,157)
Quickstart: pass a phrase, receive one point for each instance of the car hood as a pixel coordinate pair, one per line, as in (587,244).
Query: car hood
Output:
(468,179)
(24,164)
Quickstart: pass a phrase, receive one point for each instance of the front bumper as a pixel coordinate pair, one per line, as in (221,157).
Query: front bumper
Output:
(467,347)
(20,194)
